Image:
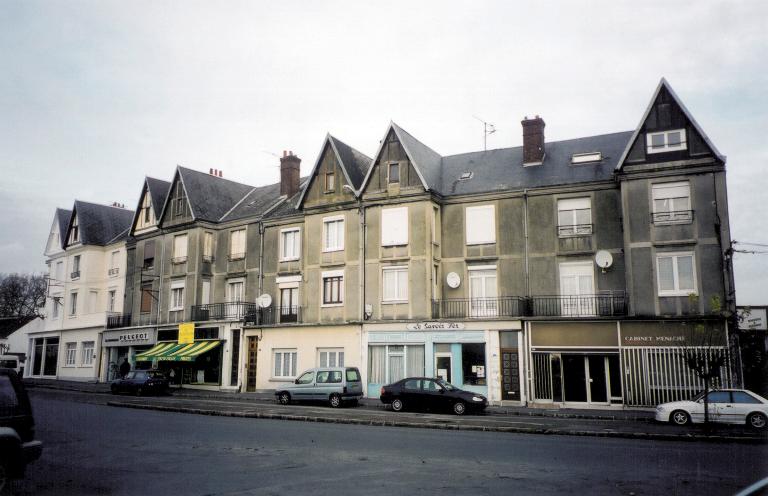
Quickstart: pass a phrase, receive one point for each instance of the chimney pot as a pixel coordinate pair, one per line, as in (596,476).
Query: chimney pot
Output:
(210,171)
(221,173)
(533,140)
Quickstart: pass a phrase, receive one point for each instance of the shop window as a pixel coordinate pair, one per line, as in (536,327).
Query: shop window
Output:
(206,333)
(473,363)
(284,364)
(71,354)
(330,357)
(168,334)
(87,354)
(390,363)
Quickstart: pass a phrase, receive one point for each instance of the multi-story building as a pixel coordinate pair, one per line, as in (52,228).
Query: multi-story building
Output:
(86,260)
(570,272)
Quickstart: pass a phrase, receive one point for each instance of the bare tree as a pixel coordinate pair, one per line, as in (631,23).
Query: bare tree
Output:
(22,295)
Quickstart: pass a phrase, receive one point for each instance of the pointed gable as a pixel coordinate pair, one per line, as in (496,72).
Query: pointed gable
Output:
(208,197)
(667,132)
(151,201)
(417,164)
(94,224)
(56,238)
(337,165)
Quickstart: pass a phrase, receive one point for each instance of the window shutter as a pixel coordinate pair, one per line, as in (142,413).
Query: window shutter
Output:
(573,204)
(394,226)
(149,250)
(480,225)
(671,190)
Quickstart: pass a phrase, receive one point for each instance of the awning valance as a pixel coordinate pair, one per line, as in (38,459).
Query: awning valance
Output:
(175,352)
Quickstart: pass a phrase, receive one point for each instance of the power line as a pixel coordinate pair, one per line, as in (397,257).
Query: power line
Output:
(750,244)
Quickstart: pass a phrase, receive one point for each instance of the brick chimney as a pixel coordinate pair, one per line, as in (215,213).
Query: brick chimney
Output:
(533,140)
(289,174)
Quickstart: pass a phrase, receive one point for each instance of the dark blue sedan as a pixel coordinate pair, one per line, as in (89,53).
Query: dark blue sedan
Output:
(141,382)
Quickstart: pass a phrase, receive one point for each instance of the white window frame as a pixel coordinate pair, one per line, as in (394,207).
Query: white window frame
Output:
(666,147)
(338,353)
(176,301)
(180,248)
(230,284)
(70,355)
(573,205)
(400,293)
(323,277)
(294,253)
(474,216)
(337,243)
(73,303)
(55,307)
(675,215)
(483,306)
(577,304)
(205,292)
(208,245)
(292,355)
(237,242)
(391,235)
(676,274)
(111,299)
(93,301)
(86,353)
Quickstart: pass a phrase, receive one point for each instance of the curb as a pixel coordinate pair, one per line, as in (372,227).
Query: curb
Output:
(426,425)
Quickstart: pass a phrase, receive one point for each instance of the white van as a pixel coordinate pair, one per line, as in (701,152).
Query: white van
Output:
(10,362)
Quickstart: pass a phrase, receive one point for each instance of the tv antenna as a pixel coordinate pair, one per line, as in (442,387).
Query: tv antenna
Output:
(488,128)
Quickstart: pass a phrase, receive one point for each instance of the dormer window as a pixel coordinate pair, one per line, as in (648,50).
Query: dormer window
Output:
(330,182)
(666,141)
(146,214)
(583,158)
(394,173)
(74,233)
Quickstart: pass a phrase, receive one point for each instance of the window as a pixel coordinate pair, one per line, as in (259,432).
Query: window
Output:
(330,357)
(574,217)
(59,271)
(284,364)
(577,288)
(180,248)
(394,226)
(235,290)
(55,307)
(111,295)
(205,297)
(146,298)
(435,226)
(237,244)
(666,141)
(93,301)
(71,354)
(73,303)
(114,259)
(330,182)
(149,254)
(390,363)
(394,284)
(481,225)
(742,397)
(333,288)
(333,233)
(289,303)
(483,291)
(394,173)
(473,363)
(353,375)
(207,246)
(290,244)
(86,358)
(177,295)
(76,267)
(74,233)
(146,216)
(719,397)
(179,201)
(583,158)
(676,274)
(671,202)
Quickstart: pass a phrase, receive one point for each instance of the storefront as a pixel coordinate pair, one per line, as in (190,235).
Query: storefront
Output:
(125,344)
(44,356)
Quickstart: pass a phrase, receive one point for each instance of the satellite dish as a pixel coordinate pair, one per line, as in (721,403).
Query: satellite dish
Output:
(453,280)
(264,300)
(603,259)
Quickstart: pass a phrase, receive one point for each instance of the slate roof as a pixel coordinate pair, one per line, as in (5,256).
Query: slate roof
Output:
(101,224)
(158,191)
(255,203)
(288,207)
(211,197)
(353,161)
(62,217)
(502,169)
(426,161)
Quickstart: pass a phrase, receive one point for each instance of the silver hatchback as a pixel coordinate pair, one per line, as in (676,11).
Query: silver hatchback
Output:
(335,385)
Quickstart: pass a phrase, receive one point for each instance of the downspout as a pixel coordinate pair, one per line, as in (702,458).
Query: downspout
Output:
(261,257)
(361,257)
(525,231)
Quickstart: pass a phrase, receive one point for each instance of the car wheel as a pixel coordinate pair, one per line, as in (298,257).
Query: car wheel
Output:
(397,405)
(757,420)
(113,389)
(459,408)
(335,400)
(679,417)
(284,398)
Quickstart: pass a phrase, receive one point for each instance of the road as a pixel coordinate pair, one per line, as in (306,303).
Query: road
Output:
(95,449)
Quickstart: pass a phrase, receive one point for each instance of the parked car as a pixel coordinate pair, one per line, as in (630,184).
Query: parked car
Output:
(426,393)
(10,362)
(728,406)
(336,385)
(141,382)
(18,446)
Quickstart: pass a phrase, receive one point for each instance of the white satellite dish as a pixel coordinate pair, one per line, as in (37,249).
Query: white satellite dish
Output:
(453,280)
(603,259)
(264,301)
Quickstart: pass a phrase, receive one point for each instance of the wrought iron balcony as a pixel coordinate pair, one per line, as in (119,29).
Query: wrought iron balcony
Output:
(75,275)
(274,316)
(479,308)
(672,217)
(597,305)
(114,271)
(569,230)
(117,320)
(223,311)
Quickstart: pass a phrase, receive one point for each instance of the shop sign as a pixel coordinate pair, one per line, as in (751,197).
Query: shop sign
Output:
(753,319)
(435,326)
(187,333)
(653,340)
(122,338)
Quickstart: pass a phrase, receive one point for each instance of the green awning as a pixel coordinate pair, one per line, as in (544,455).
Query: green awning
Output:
(174,352)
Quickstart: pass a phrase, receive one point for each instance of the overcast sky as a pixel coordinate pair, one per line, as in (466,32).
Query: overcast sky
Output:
(96,95)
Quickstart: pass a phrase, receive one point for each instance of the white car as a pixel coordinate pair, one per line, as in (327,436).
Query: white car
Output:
(728,406)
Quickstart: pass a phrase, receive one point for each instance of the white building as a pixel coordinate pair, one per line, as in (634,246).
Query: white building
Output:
(86,259)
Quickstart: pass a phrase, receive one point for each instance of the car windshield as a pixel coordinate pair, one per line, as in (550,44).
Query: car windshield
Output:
(447,385)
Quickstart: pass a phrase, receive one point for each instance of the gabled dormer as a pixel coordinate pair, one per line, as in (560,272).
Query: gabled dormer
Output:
(668,133)
(176,209)
(150,206)
(337,175)
(402,165)
(73,233)
(55,242)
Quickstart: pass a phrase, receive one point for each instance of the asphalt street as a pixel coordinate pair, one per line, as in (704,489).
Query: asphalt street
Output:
(95,449)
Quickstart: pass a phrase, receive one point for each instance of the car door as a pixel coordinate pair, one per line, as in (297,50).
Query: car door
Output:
(323,386)
(304,385)
(433,395)
(718,404)
(743,404)
(411,394)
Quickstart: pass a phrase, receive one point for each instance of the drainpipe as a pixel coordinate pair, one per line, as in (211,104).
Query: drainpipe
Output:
(525,231)
(361,257)
(261,258)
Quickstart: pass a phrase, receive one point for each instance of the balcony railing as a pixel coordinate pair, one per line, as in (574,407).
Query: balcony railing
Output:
(574,230)
(75,275)
(223,311)
(600,305)
(274,315)
(117,320)
(114,271)
(676,216)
